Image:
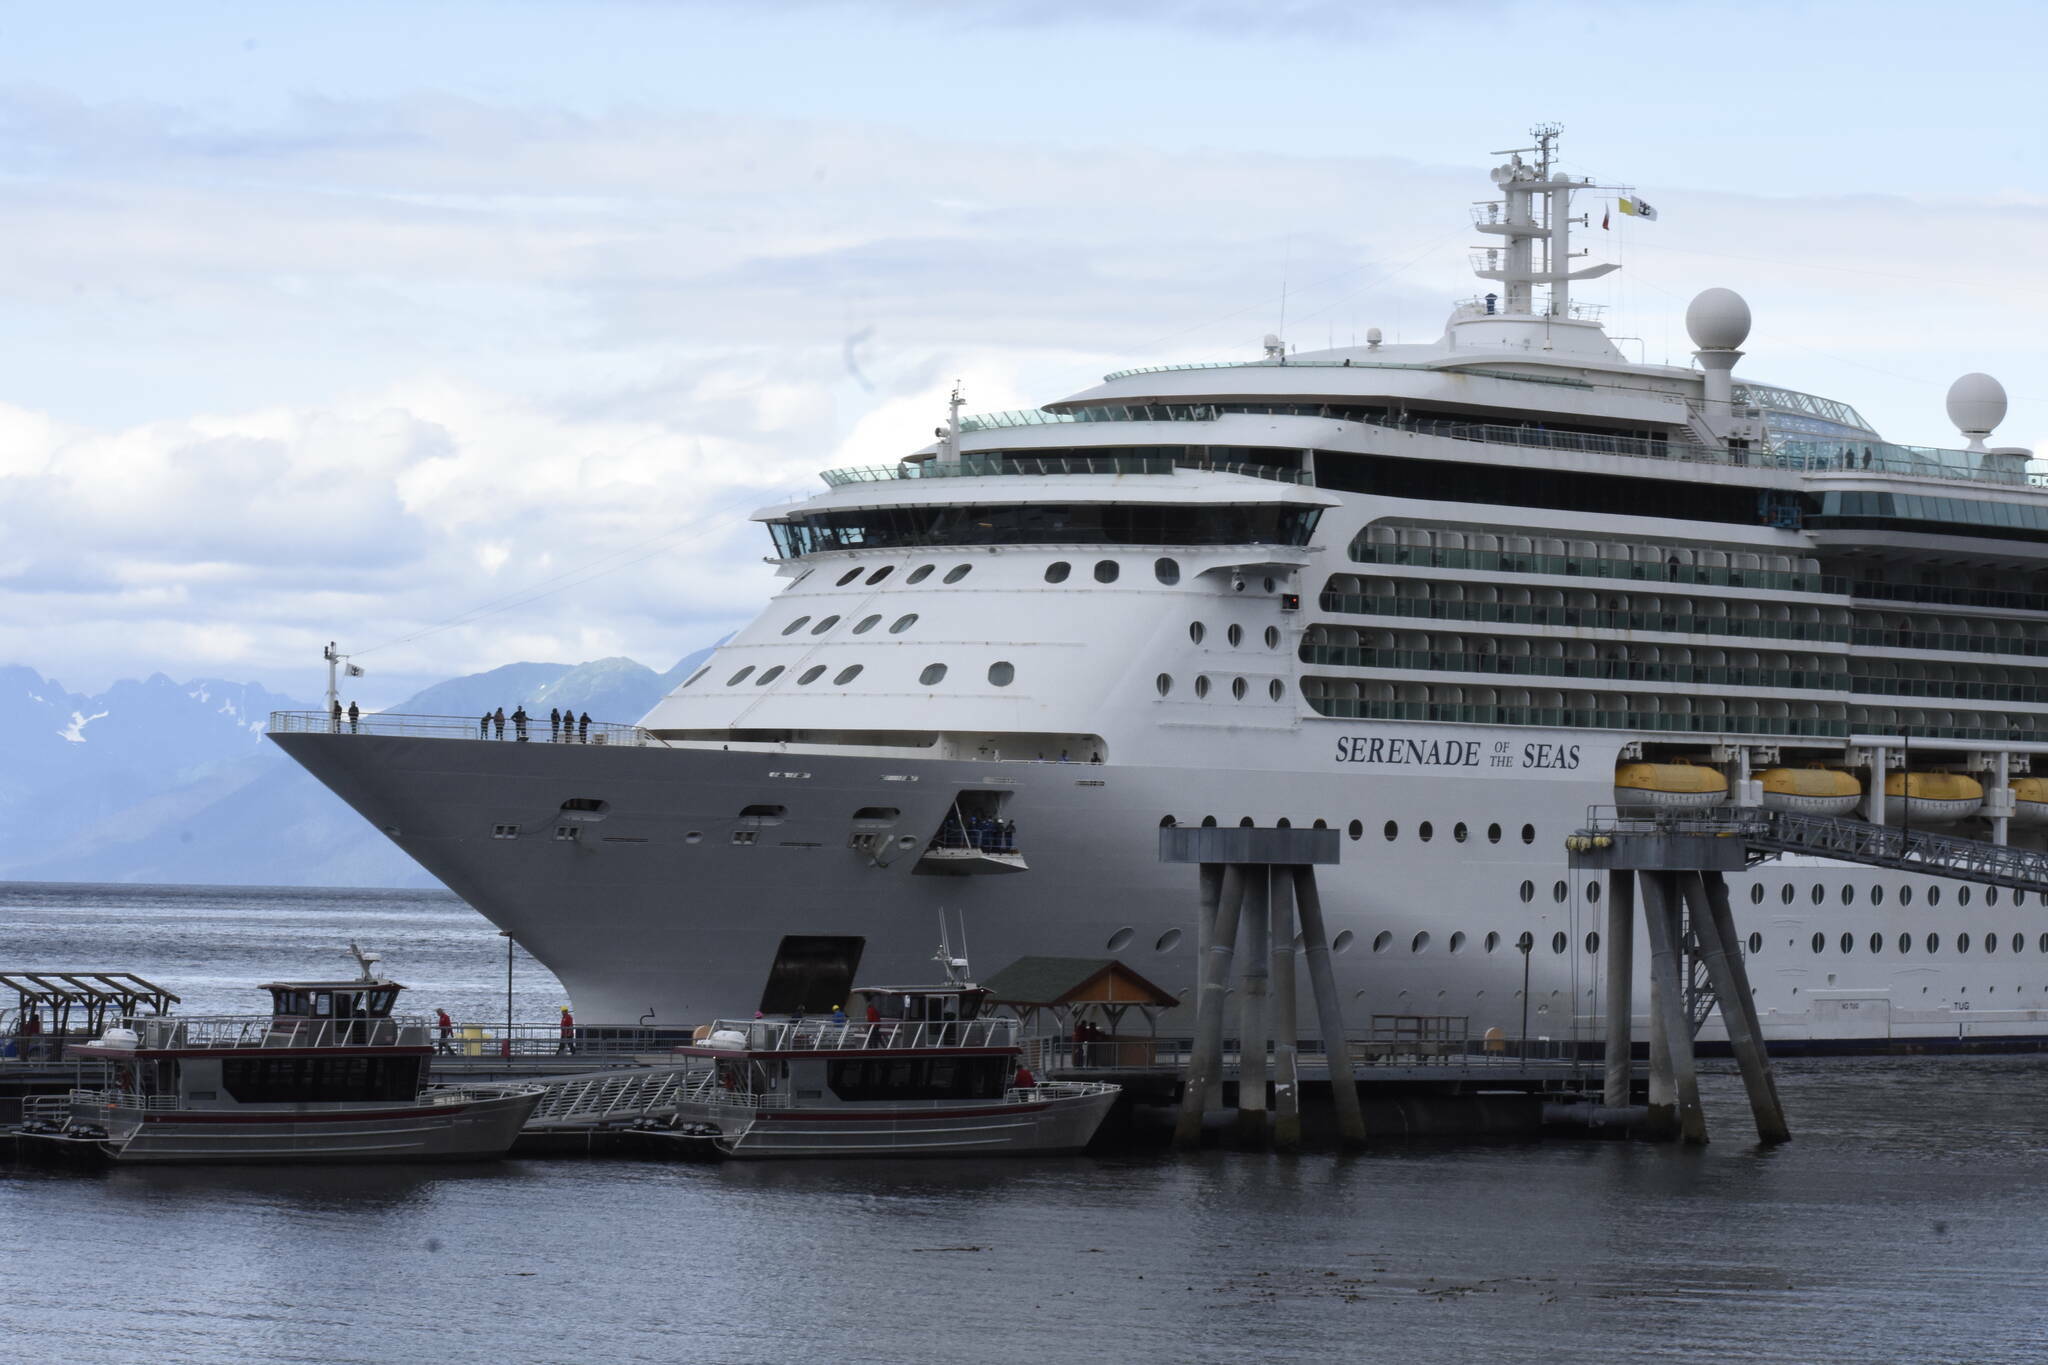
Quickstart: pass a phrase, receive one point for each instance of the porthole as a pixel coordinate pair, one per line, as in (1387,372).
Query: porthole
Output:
(1492,942)
(933,673)
(1121,939)
(919,574)
(1420,943)
(1756,944)
(1933,896)
(2019,899)
(1457,943)
(1164,682)
(1002,673)
(736,679)
(1392,830)
(1167,941)
(698,674)
(1168,822)
(957,572)
(846,675)
(1342,943)
(1876,942)
(1237,585)
(1962,895)
(867,623)
(1208,822)
(1934,943)
(2041,944)
(1235,635)
(880,574)
(1528,892)
(1201,684)
(1877,895)
(902,623)
(1276,690)
(2019,943)
(1592,941)
(1905,943)
(824,625)
(1166,570)
(1272,637)
(1460,833)
(1785,893)
(1962,943)
(1106,570)
(1196,630)
(1820,941)
(1425,831)
(848,576)
(1592,893)
(1238,688)
(1558,942)
(1848,894)
(1848,942)
(1990,943)
(1991,896)
(810,675)
(1356,829)
(1528,834)
(1819,895)
(1057,571)
(794,626)
(1493,834)
(770,676)
(1756,893)
(1559,892)
(1905,895)
(1383,940)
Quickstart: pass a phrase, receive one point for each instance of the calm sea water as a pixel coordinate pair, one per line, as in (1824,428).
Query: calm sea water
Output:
(1908,1221)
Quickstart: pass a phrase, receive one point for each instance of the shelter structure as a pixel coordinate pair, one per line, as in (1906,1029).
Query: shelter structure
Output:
(66,1003)
(1079,996)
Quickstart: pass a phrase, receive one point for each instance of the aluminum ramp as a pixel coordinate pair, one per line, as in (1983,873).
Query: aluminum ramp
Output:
(609,1098)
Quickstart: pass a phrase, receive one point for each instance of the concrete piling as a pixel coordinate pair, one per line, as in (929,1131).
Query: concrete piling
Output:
(1620,986)
(1252,1018)
(1205,1066)
(1714,923)
(1284,1018)
(1661,920)
(1315,943)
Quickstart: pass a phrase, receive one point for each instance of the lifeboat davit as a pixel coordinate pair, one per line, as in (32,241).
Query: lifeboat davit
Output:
(1669,786)
(1815,790)
(1931,798)
(2030,801)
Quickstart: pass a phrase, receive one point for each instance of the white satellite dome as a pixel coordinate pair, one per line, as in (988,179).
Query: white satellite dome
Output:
(1717,320)
(1976,404)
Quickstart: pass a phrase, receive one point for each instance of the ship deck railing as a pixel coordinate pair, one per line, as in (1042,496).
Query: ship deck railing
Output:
(222,1032)
(455,727)
(987,466)
(823,1035)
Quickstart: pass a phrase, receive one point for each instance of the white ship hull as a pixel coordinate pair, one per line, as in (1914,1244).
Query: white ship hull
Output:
(643,924)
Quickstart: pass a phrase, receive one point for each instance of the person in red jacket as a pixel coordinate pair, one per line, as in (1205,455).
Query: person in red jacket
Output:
(568,1031)
(1024,1080)
(447,1026)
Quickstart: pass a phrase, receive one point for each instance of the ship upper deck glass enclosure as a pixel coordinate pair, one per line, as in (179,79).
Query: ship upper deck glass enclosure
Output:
(1045,524)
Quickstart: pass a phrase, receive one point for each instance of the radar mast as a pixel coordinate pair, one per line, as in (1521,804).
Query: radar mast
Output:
(1535,245)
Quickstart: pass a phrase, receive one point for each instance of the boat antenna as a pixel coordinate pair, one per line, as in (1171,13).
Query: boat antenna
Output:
(366,961)
(957,971)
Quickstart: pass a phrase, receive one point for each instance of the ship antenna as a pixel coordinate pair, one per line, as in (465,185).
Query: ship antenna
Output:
(365,961)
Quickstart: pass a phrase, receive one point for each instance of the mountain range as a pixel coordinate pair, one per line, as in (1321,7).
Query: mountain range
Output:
(163,781)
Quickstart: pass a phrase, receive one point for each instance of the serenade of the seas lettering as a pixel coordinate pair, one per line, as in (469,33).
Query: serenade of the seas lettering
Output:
(1402,752)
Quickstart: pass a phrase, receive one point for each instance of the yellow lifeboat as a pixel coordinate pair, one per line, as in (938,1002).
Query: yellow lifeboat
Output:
(1669,786)
(1810,791)
(1931,798)
(2030,801)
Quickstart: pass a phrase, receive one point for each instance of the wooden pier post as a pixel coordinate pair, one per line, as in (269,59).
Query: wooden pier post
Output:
(1205,1064)
(1621,976)
(1661,919)
(1284,1018)
(1315,944)
(1251,1008)
(1714,922)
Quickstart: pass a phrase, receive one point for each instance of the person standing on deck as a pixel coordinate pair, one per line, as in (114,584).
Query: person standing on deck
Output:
(498,721)
(354,717)
(568,1043)
(483,726)
(554,723)
(447,1027)
(583,729)
(337,715)
(519,724)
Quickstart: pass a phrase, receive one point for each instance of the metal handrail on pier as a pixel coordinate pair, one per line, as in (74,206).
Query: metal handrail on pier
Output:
(824,1035)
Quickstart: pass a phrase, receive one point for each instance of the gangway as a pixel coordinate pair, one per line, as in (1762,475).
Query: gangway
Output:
(608,1098)
(1764,834)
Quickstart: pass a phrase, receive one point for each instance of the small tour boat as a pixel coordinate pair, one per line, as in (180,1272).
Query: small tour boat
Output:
(917,1071)
(330,1074)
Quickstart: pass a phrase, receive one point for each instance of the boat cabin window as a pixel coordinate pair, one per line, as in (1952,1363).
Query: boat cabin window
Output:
(307,1002)
(921,1078)
(312,1080)
(919,1006)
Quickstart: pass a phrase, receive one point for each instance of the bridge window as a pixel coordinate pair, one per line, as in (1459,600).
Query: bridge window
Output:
(1057,571)
(872,528)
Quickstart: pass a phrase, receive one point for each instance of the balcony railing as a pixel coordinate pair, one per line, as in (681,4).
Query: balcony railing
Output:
(535,731)
(993,466)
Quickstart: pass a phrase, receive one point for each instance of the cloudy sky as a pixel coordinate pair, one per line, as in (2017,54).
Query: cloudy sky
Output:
(468,333)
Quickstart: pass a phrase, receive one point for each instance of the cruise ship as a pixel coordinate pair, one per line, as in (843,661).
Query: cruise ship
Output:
(1443,597)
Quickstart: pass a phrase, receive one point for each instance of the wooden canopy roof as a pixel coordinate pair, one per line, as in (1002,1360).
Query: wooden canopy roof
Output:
(1049,982)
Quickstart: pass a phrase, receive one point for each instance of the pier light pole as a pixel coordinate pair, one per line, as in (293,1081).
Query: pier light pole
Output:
(1527,943)
(506,934)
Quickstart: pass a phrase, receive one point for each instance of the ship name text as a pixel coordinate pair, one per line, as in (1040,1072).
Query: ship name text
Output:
(1400,752)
